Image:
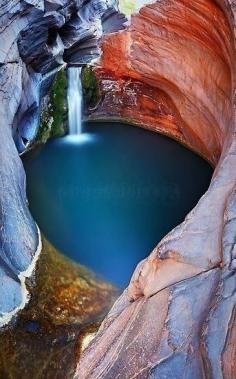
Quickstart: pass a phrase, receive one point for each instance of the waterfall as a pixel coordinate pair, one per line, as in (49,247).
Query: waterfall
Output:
(74,97)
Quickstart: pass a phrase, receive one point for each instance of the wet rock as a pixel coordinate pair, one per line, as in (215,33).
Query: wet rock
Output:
(53,120)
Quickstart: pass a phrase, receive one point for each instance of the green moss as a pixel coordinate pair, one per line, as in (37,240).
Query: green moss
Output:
(90,87)
(53,118)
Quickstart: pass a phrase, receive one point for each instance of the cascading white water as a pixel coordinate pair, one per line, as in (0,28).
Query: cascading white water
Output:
(74,97)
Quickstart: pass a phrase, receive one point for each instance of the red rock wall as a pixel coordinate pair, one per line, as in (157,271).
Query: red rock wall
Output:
(184,49)
(176,319)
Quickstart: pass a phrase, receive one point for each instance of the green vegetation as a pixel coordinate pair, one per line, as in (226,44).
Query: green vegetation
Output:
(53,122)
(131,6)
(90,87)
(127,6)
(53,118)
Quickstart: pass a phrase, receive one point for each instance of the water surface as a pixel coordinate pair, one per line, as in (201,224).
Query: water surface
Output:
(107,197)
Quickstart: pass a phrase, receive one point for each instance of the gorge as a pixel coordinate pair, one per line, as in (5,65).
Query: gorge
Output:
(171,70)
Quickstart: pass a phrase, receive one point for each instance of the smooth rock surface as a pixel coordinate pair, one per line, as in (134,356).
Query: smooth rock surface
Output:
(177,317)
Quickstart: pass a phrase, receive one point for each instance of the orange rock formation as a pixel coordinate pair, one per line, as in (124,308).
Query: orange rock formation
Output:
(186,51)
(174,72)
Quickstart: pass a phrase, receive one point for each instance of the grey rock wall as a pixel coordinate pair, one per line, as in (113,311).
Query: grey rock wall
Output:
(37,38)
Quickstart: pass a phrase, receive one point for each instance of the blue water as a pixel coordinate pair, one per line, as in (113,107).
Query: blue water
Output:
(106,197)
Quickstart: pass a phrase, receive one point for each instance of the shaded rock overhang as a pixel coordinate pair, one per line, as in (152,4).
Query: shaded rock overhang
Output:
(37,38)
(176,75)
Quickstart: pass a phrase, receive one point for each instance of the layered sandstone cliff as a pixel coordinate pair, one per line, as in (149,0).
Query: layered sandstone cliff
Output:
(174,72)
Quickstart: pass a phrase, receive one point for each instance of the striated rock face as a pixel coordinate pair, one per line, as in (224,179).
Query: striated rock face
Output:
(37,38)
(174,71)
(188,55)
(137,103)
